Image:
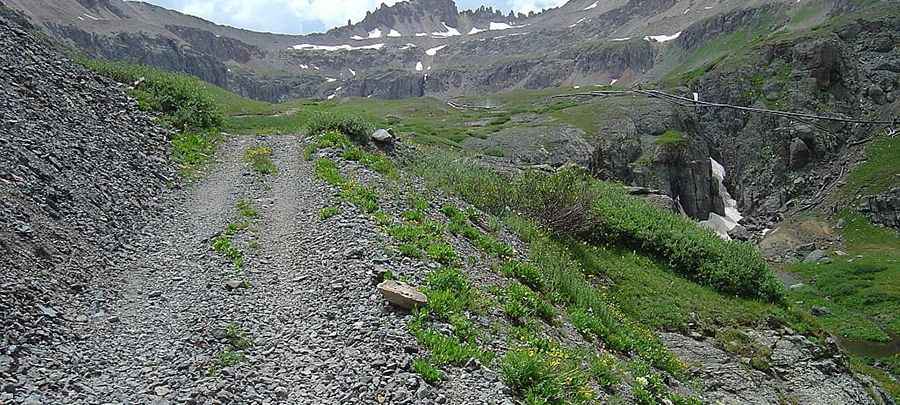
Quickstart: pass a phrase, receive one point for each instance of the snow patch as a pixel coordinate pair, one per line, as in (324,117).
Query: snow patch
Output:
(708,8)
(331,48)
(662,38)
(302,66)
(330,79)
(434,51)
(620,39)
(450,31)
(718,223)
(591,6)
(613,81)
(357,38)
(91,17)
(407,46)
(500,26)
(475,31)
(332,96)
(394,34)
(375,34)
(419,67)
(578,22)
(352,72)
(686,11)
(421,34)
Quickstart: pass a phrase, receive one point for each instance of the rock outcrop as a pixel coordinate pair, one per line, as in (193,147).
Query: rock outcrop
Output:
(883,209)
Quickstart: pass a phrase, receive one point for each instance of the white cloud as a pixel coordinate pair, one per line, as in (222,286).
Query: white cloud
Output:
(279,15)
(525,6)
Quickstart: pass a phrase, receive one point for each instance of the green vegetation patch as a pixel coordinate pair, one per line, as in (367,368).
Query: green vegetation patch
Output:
(570,202)
(879,172)
(671,138)
(260,159)
(185,102)
(354,127)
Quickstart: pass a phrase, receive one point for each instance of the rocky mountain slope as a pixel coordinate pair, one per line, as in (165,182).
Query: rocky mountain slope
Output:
(416,48)
(81,168)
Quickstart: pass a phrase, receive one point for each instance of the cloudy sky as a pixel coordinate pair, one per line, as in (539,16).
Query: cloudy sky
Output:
(304,16)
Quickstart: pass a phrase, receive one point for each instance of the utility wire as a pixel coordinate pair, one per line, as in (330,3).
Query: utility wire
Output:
(687,102)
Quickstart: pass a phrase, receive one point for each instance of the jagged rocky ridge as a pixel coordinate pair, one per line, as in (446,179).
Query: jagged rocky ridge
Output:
(393,52)
(80,169)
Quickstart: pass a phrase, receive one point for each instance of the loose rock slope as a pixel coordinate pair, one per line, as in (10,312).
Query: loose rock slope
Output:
(80,167)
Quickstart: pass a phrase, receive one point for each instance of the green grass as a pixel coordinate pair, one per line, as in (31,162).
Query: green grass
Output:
(589,308)
(450,299)
(520,302)
(880,171)
(329,212)
(246,209)
(356,128)
(192,149)
(260,159)
(237,337)
(546,374)
(862,293)
(461,224)
(671,138)
(428,371)
(223,245)
(328,171)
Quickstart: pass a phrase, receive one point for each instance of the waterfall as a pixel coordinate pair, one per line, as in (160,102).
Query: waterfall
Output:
(718,223)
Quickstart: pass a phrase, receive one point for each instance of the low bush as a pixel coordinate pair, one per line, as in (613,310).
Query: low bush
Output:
(356,128)
(183,100)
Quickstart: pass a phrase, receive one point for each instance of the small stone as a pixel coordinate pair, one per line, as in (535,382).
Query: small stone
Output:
(232,284)
(162,390)
(401,294)
(154,294)
(281,393)
(114,319)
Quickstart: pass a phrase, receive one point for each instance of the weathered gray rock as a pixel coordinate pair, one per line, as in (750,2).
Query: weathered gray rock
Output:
(883,209)
(800,154)
(383,136)
(815,256)
(799,369)
(877,95)
(401,294)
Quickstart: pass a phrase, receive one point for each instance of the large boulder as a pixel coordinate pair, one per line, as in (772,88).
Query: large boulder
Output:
(401,294)
(800,154)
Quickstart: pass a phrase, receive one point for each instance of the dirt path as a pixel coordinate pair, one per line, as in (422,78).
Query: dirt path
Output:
(155,328)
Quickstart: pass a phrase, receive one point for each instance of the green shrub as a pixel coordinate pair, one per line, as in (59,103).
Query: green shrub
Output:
(428,371)
(361,196)
(520,302)
(356,128)
(605,370)
(525,273)
(183,100)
